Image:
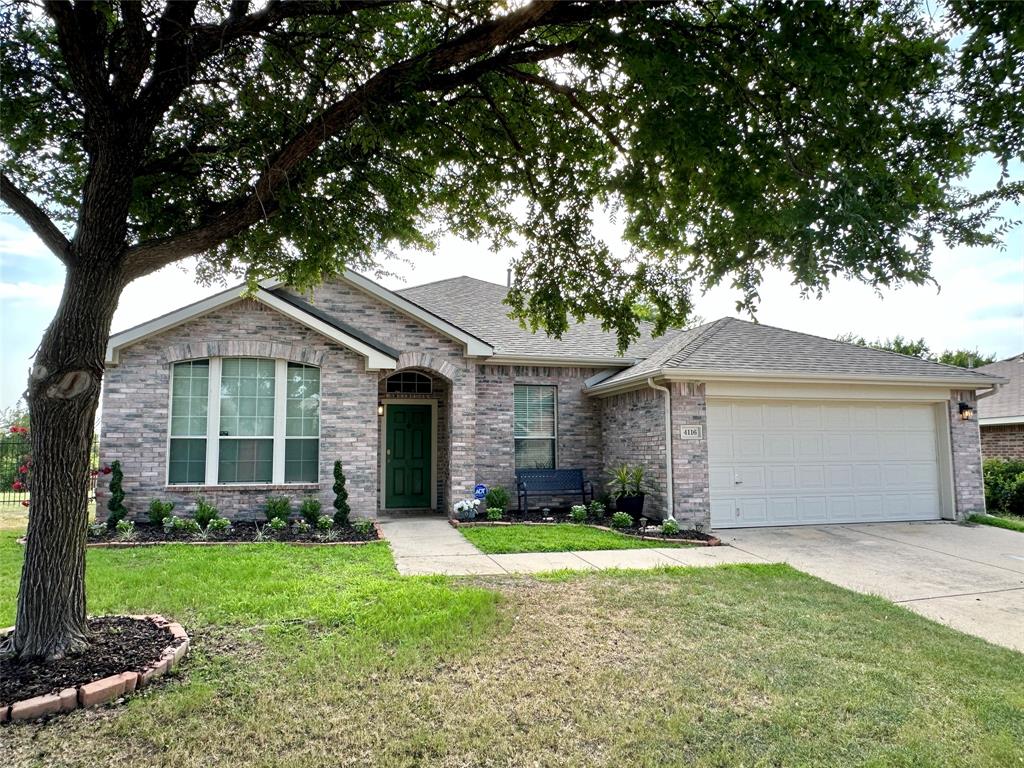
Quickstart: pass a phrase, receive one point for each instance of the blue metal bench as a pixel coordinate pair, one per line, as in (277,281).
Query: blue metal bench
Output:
(551,482)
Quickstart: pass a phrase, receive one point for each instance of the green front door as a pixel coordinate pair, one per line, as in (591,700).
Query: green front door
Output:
(407,457)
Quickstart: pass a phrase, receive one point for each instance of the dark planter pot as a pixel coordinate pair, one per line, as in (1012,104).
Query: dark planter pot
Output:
(631,505)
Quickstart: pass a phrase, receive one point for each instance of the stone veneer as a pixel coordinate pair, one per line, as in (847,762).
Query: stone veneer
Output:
(965,438)
(578,444)
(1002,441)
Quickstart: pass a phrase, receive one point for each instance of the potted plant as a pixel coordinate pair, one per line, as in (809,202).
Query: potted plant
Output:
(466,509)
(627,485)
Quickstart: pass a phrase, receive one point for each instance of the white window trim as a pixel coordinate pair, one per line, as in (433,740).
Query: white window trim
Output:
(213,435)
(554,434)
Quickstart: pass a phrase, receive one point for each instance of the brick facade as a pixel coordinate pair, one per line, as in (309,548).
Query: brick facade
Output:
(136,400)
(475,411)
(965,439)
(691,497)
(578,443)
(1002,441)
(633,432)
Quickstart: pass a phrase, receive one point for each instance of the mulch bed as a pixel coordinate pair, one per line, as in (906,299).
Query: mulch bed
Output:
(119,644)
(652,531)
(239,532)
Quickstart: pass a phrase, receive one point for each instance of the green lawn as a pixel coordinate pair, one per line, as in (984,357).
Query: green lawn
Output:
(324,656)
(1010,522)
(563,537)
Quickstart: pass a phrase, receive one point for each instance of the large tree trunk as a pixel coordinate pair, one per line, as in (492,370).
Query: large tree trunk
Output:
(63,394)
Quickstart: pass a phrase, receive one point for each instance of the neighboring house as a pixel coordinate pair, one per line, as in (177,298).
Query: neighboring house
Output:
(1001,413)
(423,393)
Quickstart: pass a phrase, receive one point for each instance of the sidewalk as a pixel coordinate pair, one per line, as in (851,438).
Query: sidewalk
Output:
(429,545)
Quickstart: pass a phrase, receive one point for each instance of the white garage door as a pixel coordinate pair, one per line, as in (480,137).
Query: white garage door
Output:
(776,462)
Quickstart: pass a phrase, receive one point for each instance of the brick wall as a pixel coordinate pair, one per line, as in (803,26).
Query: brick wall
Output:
(578,442)
(1002,441)
(965,438)
(633,432)
(692,499)
(136,400)
(422,348)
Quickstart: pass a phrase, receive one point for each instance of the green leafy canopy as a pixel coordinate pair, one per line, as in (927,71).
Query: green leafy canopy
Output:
(296,139)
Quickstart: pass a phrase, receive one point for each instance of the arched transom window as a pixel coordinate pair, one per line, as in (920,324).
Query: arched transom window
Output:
(244,420)
(409,383)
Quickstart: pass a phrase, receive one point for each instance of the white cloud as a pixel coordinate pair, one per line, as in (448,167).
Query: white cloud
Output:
(47,295)
(20,241)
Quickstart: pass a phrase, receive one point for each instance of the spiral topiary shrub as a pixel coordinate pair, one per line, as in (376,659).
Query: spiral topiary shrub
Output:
(116,510)
(341,507)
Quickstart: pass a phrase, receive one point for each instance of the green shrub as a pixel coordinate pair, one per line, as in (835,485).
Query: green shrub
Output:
(125,530)
(96,530)
(309,508)
(116,510)
(302,526)
(669,527)
(158,510)
(494,513)
(622,520)
(578,513)
(278,524)
(497,498)
(363,527)
(324,523)
(596,509)
(181,525)
(218,525)
(341,507)
(1004,486)
(278,508)
(204,513)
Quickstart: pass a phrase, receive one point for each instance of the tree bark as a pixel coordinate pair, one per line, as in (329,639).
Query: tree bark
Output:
(63,394)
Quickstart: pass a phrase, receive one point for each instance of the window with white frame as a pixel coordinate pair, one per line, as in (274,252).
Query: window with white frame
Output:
(535,426)
(244,420)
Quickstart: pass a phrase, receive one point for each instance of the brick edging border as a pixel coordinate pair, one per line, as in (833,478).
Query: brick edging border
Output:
(132,544)
(714,541)
(106,689)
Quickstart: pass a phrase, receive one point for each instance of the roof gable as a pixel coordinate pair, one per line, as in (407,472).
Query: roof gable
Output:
(1005,405)
(378,355)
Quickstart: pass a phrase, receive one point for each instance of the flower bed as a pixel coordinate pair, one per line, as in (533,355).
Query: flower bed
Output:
(242,532)
(126,653)
(649,532)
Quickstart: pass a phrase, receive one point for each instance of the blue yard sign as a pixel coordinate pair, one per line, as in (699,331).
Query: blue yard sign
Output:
(480,491)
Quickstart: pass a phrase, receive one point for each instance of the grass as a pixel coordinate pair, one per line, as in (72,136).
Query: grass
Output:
(1009,522)
(324,656)
(561,537)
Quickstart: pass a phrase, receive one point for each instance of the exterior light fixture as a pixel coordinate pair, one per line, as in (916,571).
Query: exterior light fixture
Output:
(380,409)
(966,412)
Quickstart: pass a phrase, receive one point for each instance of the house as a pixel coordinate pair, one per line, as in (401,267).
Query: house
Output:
(1001,412)
(424,392)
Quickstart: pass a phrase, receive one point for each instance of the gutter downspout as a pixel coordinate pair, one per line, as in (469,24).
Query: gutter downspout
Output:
(988,392)
(669,501)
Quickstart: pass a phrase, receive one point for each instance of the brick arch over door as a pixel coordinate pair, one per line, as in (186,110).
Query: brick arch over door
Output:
(427,362)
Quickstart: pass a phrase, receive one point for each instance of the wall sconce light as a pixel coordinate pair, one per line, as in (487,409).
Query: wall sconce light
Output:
(966,412)
(380,409)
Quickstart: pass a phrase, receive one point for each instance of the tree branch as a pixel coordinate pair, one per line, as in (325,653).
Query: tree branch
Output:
(36,218)
(424,72)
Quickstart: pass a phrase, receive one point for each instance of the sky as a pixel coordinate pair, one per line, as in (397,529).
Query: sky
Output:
(977,304)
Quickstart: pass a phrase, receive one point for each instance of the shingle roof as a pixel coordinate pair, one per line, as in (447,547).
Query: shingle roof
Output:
(736,346)
(333,321)
(476,307)
(1008,402)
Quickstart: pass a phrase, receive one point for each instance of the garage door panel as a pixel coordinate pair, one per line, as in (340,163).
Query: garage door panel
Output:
(813,509)
(815,462)
(782,509)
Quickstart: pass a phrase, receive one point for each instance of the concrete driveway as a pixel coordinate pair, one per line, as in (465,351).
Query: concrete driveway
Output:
(968,577)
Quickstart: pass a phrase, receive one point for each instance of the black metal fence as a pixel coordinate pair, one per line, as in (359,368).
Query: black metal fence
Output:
(15,457)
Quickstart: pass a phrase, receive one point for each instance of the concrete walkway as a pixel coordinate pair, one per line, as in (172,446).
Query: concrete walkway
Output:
(967,577)
(423,545)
